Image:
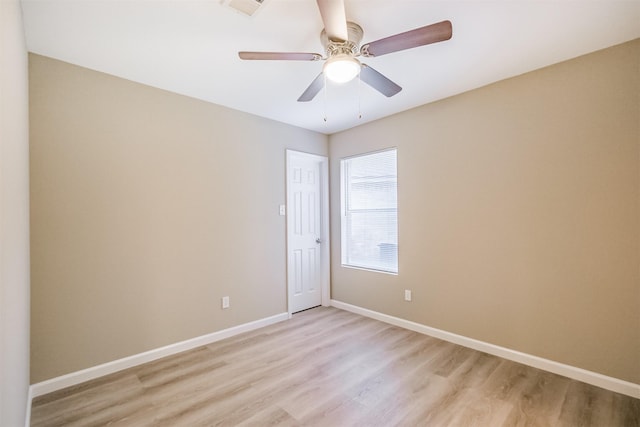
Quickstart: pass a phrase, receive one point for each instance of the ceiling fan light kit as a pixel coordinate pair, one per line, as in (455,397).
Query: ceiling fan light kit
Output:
(341,40)
(341,68)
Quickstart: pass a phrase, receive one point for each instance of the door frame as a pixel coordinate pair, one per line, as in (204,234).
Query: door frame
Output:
(325,252)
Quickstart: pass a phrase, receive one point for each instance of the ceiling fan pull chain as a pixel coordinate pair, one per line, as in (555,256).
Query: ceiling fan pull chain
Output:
(359,100)
(324,104)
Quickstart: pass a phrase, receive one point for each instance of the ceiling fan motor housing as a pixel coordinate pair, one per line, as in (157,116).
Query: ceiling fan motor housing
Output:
(343,47)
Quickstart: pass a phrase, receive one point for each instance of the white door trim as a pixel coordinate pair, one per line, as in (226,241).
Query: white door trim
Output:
(324,225)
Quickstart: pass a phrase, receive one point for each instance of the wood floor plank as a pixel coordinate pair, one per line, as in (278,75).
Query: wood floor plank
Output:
(329,367)
(272,416)
(541,402)
(122,395)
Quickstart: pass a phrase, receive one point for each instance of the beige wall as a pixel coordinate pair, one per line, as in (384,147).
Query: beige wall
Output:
(147,208)
(519,216)
(14,217)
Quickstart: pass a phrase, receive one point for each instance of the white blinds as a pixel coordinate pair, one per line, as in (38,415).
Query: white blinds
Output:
(370,211)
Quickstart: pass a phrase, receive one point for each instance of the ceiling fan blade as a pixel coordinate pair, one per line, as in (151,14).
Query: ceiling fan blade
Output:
(378,81)
(433,33)
(334,19)
(316,85)
(288,56)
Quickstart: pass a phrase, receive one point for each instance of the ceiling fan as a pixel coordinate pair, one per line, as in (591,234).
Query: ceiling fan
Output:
(341,39)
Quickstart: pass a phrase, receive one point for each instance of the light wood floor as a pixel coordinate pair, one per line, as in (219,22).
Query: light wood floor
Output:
(329,367)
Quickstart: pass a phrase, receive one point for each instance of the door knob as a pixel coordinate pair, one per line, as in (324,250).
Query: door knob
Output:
(318,240)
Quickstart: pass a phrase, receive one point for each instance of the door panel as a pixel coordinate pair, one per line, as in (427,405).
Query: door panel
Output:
(304,232)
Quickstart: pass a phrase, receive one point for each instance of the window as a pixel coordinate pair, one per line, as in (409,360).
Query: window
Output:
(370,211)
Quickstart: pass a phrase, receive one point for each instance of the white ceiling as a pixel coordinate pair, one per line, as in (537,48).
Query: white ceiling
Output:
(190,47)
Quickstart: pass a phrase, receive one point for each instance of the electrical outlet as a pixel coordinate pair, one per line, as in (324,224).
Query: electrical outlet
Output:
(407,295)
(225,302)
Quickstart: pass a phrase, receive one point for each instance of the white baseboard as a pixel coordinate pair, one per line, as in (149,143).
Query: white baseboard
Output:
(589,377)
(78,377)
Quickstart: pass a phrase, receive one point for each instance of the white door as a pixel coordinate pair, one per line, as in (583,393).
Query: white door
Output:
(307,250)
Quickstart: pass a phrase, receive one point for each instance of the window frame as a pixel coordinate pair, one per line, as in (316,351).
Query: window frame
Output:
(345,218)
